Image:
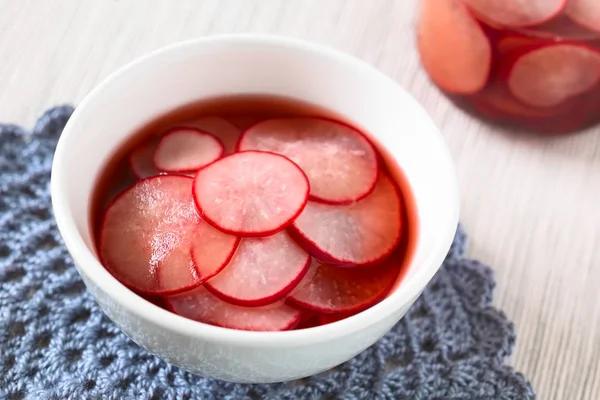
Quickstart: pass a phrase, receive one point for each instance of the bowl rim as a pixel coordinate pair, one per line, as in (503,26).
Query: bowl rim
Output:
(406,292)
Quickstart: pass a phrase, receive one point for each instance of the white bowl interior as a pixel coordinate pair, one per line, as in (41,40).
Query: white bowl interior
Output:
(214,67)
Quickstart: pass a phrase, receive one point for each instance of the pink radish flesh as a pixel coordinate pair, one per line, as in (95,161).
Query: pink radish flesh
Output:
(251,193)
(200,305)
(262,270)
(141,160)
(548,76)
(186,149)
(362,233)
(585,12)
(331,289)
(222,129)
(341,164)
(211,249)
(517,13)
(453,48)
(146,233)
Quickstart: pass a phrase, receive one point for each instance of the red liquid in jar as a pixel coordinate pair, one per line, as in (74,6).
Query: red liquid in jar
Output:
(203,286)
(528,68)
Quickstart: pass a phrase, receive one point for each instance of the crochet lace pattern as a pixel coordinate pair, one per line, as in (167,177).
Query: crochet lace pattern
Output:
(56,343)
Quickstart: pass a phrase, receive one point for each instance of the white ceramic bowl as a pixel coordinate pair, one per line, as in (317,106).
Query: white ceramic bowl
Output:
(234,64)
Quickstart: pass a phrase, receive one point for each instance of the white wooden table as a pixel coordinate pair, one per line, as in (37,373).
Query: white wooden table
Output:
(531,205)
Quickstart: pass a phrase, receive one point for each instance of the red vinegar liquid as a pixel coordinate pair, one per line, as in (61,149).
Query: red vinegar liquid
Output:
(244,111)
(500,100)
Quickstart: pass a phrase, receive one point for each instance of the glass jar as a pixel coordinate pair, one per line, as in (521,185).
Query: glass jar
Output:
(528,64)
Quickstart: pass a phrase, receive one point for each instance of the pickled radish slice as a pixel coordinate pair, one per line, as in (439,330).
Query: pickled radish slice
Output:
(251,193)
(200,305)
(517,13)
(141,160)
(262,270)
(331,289)
(186,149)
(211,250)
(341,164)
(454,49)
(146,234)
(358,234)
(548,76)
(585,12)
(222,129)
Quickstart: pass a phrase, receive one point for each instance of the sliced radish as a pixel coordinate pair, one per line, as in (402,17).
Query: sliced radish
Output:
(517,13)
(454,50)
(251,193)
(186,149)
(341,164)
(548,76)
(331,289)
(262,270)
(358,234)
(212,249)
(585,13)
(200,305)
(222,129)
(145,236)
(140,160)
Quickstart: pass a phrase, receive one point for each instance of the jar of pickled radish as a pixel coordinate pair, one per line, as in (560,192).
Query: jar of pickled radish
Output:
(529,64)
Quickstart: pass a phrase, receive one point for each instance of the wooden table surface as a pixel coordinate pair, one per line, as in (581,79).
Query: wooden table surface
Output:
(530,205)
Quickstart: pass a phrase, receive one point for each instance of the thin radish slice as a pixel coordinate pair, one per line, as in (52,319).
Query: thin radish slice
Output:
(212,250)
(331,289)
(341,164)
(145,236)
(548,76)
(186,149)
(454,50)
(517,13)
(141,160)
(359,234)
(585,12)
(262,270)
(200,305)
(221,128)
(251,193)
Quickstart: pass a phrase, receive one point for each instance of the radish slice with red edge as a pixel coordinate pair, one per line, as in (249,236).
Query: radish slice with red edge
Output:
(211,249)
(221,128)
(517,13)
(550,75)
(341,164)
(200,305)
(141,160)
(453,48)
(585,12)
(262,270)
(331,289)
(359,234)
(146,235)
(251,193)
(186,149)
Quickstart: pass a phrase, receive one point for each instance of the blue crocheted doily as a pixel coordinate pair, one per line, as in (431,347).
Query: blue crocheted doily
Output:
(55,342)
